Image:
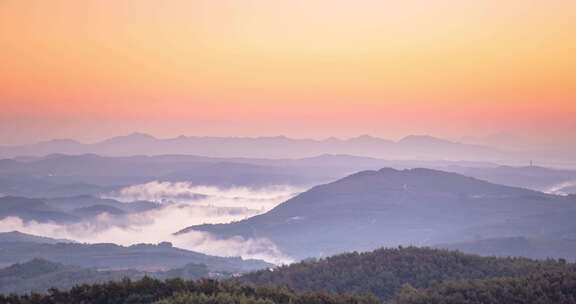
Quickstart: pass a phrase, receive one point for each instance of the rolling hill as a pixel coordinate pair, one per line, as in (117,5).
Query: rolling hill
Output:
(392,207)
(67,209)
(39,275)
(18,247)
(383,272)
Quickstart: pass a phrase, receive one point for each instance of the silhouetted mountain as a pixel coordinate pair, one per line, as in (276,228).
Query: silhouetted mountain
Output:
(96,210)
(19,237)
(87,202)
(67,209)
(32,210)
(384,271)
(143,257)
(518,246)
(91,174)
(411,147)
(133,138)
(389,207)
(415,140)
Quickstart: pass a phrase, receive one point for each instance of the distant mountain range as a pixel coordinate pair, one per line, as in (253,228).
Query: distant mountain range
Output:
(61,175)
(392,207)
(410,147)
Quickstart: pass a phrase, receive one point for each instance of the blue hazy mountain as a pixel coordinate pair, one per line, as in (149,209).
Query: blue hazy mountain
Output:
(109,256)
(392,207)
(410,147)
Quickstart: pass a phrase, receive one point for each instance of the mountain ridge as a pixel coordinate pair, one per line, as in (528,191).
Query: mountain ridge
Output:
(392,207)
(265,146)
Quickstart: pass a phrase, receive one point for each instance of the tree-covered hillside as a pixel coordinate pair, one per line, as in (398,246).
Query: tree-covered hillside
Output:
(389,207)
(401,276)
(177,291)
(548,287)
(41,275)
(384,271)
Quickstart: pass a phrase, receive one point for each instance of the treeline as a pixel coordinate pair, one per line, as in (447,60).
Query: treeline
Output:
(178,291)
(384,271)
(40,275)
(401,276)
(550,287)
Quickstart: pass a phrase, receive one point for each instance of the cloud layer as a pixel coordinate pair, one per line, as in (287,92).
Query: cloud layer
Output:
(183,205)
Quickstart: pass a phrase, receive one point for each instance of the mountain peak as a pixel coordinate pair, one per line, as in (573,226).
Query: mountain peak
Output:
(368,139)
(139,135)
(132,138)
(421,180)
(423,139)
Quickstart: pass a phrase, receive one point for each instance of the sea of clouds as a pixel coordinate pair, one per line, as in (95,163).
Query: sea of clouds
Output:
(182,205)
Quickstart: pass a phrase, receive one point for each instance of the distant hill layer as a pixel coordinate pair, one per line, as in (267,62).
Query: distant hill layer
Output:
(67,209)
(89,174)
(144,257)
(392,207)
(410,147)
(19,237)
(39,275)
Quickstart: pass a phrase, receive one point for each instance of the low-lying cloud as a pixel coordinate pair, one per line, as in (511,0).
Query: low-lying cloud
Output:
(183,205)
(262,199)
(560,189)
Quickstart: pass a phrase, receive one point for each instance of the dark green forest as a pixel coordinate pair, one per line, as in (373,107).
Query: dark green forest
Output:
(384,271)
(548,287)
(408,275)
(175,291)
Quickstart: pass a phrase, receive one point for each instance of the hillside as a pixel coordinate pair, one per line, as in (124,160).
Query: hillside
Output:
(39,275)
(392,207)
(402,276)
(19,237)
(81,175)
(143,257)
(32,210)
(67,209)
(384,271)
(148,291)
(547,287)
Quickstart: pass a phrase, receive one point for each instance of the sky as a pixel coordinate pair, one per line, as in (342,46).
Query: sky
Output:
(304,68)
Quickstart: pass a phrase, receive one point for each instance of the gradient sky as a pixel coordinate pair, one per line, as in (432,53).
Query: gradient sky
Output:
(303,68)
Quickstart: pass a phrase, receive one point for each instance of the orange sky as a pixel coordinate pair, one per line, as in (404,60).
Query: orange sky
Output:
(304,68)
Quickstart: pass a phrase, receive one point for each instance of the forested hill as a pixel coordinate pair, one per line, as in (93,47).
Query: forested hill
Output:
(547,287)
(384,271)
(177,291)
(389,207)
(401,276)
